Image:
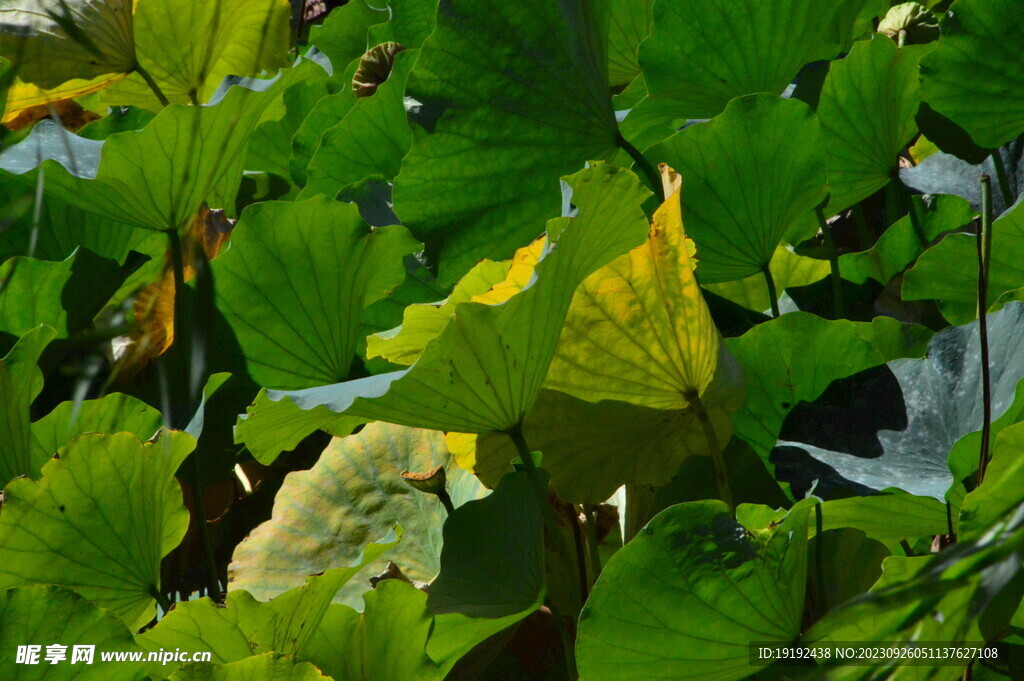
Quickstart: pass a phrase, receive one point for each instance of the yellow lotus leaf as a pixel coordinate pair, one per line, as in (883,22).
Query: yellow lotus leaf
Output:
(638,329)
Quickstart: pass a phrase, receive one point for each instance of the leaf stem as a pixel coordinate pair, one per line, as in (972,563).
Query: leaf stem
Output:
(864,234)
(540,495)
(1004,180)
(819,557)
(161,599)
(595,555)
(833,262)
(178,338)
(151,82)
(773,296)
(653,177)
(717,460)
(984,255)
(892,200)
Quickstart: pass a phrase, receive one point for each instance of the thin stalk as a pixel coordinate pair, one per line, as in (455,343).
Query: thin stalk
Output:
(210,564)
(864,234)
(915,219)
(644,165)
(773,296)
(984,255)
(819,557)
(1004,180)
(446,501)
(833,263)
(595,556)
(717,460)
(161,599)
(581,555)
(540,495)
(152,84)
(906,548)
(892,200)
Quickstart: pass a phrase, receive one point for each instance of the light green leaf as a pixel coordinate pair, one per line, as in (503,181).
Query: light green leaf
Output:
(424,321)
(901,244)
(115,413)
(266,667)
(157,177)
(385,642)
(370,141)
(35,35)
(733,206)
(342,35)
(353,494)
(1000,492)
(71,528)
(701,54)
(867,109)
(948,272)
(300,326)
(268,428)
(795,357)
(887,518)
(685,597)
(975,75)
(485,370)
(190,46)
(47,615)
(788,270)
(629,22)
(20,383)
(493,102)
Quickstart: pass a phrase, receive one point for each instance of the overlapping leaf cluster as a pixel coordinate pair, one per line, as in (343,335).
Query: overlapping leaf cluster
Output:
(642,331)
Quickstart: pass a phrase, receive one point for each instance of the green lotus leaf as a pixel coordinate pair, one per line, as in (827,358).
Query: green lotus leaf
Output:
(243,626)
(978,38)
(63,295)
(410,23)
(48,615)
(948,272)
(788,270)
(53,41)
(687,595)
(269,428)
(190,155)
(901,244)
(593,448)
(867,110)
(114,413)
(485,370)
(188,47)
(794,358)
(698,56)
(370,141)
(888,518)
(270,145)
(354,493)
(386,641)
(509,112)
(301,326)
(266,667)
(945,616)
(325,114)
(1000,491)
(735,211)
(342,35)
(423,322)
(894,426)
(20,383)
(492,569)
(629,22)
(109,486)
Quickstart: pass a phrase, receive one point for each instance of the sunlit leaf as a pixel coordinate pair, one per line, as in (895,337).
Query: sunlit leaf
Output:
(20,383)
(49,528)
(354,494)
(735,210)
